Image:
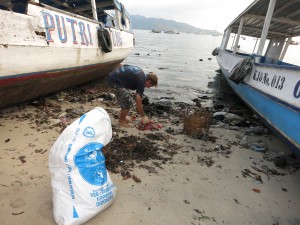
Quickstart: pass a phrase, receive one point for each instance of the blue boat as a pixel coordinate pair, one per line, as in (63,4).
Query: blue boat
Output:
(269,85)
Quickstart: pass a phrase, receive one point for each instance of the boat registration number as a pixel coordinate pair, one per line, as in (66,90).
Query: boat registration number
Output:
(283,84)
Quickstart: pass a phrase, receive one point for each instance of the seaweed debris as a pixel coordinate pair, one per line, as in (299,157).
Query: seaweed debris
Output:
(124,152)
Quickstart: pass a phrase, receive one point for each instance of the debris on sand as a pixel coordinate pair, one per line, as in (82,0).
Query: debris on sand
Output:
(205,160)
(124,152)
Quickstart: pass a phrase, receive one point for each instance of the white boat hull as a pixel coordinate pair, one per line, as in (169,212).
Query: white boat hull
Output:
(48,50)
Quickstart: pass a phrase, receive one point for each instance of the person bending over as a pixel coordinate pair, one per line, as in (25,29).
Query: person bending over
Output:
(126,78)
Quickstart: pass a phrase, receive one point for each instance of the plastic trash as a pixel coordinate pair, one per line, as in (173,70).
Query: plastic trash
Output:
(258,148)
(149,126)
(244,142)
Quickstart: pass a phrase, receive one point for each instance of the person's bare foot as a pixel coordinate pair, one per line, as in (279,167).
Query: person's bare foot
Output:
(124,124)
(128,120)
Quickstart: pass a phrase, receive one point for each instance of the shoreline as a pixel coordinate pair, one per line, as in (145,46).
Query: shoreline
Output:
(200,181)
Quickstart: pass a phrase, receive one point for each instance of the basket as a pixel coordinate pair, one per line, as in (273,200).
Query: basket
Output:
(197,124)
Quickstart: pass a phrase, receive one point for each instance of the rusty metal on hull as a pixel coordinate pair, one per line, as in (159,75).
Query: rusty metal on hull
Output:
(38,85)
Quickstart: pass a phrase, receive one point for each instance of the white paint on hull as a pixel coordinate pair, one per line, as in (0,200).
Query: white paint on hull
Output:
(26,47)
(280,82)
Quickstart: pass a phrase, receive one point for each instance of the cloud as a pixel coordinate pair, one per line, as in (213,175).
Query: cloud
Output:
(206,14)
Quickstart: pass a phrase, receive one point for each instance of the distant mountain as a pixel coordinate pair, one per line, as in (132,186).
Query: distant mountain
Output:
(144,23)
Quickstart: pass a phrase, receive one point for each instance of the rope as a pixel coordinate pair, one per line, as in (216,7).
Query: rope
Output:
(151,50)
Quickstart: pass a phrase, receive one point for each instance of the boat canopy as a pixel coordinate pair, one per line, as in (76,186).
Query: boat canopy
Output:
(84,7)
(80,7)
(285,21)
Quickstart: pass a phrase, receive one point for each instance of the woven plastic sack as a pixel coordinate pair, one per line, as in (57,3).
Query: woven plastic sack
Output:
(81,185)
(197,124)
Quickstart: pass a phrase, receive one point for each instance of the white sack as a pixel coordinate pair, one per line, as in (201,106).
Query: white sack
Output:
(81,184)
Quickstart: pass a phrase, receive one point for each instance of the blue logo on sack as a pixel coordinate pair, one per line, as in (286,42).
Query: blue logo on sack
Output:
(91,163)
(89,132)
(82,118)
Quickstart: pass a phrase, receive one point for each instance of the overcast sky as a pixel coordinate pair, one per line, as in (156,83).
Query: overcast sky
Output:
(205,14)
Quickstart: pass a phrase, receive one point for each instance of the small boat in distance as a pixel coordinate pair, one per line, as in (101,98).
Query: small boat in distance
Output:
(47,46)
(157,28)
(171,32)
(155,31)
(269,85)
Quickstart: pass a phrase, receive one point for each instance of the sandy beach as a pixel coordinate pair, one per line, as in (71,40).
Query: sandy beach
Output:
(200,181)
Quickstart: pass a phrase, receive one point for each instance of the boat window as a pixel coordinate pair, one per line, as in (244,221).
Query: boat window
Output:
(110,23)
(123,15)
(120,20)
(128,24)
(117,19)
(109,18)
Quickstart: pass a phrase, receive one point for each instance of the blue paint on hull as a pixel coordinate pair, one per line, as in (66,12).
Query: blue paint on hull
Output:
(283,120)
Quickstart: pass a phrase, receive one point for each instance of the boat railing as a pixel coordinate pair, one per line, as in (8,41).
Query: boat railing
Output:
(239,53)
(284,66)
(268,62)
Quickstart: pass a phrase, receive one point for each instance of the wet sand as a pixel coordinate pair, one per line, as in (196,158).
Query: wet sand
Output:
(203,181)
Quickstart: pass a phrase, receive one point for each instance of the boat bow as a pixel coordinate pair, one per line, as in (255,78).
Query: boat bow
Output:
(269,85)
(48,46)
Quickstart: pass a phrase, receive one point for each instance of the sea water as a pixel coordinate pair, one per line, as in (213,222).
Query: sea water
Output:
(184,63)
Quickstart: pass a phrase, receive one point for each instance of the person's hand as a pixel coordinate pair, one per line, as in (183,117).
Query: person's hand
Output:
(145,120)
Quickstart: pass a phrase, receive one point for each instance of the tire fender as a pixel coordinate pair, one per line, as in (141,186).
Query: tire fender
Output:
(104,40)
